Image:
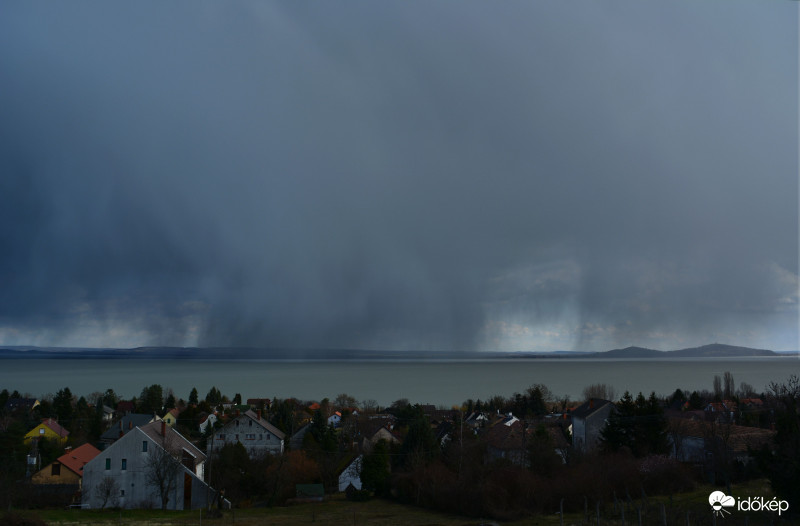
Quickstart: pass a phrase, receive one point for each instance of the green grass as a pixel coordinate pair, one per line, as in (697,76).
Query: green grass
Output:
(378,512)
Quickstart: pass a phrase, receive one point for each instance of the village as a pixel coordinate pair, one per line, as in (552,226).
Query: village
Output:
(504,457)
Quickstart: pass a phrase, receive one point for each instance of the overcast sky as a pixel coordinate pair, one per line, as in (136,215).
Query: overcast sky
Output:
(399,175)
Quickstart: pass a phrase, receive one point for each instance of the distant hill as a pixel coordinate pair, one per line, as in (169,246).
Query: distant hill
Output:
(714,350)
(720,349)
(632,352)
(706,351)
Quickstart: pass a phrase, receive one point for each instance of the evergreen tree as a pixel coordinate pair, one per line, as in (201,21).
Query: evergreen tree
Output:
(542,458)
(375,469)
(781,461)
(214,397)
(110,398)
(619,430)
(62,405)
(151,399)
(282,416)
(193,397)
(537,398)
(420,443)
(170,402)
(639,426)
(695,401)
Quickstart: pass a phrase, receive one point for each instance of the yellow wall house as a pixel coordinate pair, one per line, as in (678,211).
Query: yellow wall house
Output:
(171,417)
(50,429)
(68,468)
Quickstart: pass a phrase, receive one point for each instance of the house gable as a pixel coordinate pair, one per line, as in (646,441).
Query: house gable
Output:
(126,463)
(256,435)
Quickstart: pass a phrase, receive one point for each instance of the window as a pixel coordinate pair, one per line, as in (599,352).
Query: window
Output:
(108,463)
(124,464)
(221,437)
(41,431)
(251,423)
(250,436)
(237,436)
(144,446)
(122,493)
(260,436)
(55,469)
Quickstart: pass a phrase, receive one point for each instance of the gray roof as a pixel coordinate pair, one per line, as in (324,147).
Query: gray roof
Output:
(175,439)
(588,408)
(126,423)
(266,425)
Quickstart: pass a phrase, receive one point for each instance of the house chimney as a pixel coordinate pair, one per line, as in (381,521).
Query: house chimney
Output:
(163,428)
(259,414)
(121,433)
(130,424)
(591,403)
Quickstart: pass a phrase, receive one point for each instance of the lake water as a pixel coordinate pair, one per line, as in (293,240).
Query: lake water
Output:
(433,382)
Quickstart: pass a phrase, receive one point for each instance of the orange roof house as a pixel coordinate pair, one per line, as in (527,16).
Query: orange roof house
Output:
(68,468)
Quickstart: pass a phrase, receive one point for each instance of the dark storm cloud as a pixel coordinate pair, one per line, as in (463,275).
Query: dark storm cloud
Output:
(399,176)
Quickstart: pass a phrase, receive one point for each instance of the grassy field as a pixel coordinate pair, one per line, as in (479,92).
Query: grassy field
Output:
(377,512)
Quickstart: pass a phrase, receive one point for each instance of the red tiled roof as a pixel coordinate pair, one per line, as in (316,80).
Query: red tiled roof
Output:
(506,437)
(124,406)
(76,458)
(751,401)
(55,427)
(314,406)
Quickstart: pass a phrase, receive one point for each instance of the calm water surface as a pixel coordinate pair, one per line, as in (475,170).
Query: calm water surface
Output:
(434,382)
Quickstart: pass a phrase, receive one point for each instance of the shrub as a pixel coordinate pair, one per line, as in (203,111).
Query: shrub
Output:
(15,519)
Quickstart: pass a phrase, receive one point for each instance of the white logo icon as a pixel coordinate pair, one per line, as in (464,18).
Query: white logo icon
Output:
(719,501)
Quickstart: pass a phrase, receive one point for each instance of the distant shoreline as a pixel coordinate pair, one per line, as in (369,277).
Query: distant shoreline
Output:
(255,354)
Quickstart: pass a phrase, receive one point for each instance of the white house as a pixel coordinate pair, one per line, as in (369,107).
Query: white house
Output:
(123,474)
(256,434)
(209,420)
(588,421)
(335,419)
(351,474)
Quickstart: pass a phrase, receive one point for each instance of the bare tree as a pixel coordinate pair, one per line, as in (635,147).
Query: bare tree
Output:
(344,401)
(676,430)
(369,406)
(719,454)
(746,390)
(162,468)
(601,391)
(717,386)
(108,492)
(729,388)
